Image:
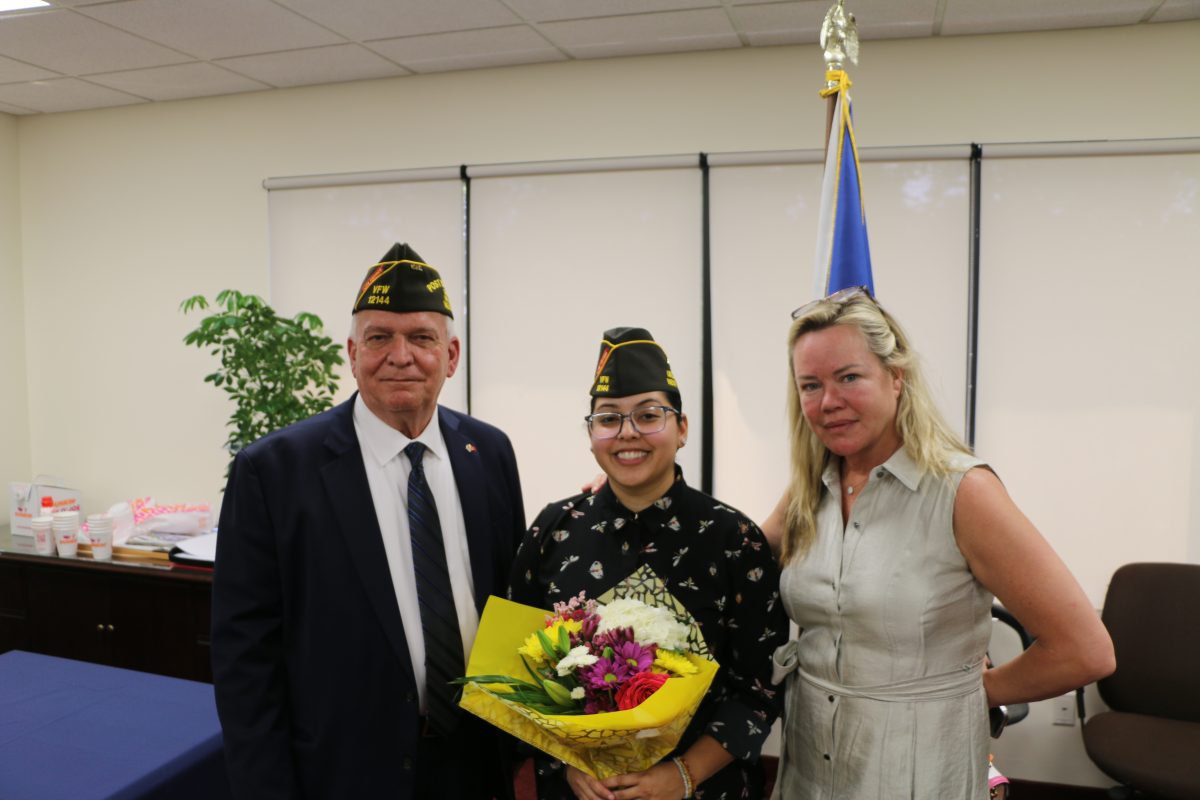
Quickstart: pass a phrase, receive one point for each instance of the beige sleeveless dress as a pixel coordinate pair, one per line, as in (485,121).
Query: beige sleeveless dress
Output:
(884,690)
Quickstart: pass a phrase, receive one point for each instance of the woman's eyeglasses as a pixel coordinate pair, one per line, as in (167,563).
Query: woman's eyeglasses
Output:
(840,297)
(647,419)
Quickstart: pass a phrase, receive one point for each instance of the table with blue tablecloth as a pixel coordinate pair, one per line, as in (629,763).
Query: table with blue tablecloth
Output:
(69,729)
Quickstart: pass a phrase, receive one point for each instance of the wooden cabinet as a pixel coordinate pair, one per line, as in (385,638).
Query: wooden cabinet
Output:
(136,617)
(14,628)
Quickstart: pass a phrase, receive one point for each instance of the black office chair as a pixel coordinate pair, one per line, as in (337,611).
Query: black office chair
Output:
(1003,716)
(1150,740)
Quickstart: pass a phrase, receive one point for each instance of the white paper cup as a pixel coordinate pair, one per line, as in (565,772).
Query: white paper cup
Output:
(43,535)
(66,541)
(100,532)
(66,532)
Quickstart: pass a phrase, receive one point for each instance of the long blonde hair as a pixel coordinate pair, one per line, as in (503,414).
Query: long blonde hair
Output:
(926,437)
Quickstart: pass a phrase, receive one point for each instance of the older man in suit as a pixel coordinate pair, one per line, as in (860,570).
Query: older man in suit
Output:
(356,551)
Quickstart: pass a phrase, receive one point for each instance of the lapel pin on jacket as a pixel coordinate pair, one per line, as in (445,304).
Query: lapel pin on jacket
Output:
(471,448)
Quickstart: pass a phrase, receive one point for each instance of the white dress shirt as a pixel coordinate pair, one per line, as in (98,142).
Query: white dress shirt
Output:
(388,469)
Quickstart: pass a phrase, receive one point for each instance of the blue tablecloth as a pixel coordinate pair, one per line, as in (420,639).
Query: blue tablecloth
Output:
(69,729)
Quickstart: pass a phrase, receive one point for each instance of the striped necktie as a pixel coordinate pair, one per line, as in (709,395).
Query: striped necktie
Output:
(439,619)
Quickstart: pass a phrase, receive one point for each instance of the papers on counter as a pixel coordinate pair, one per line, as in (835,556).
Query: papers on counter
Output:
(200,549)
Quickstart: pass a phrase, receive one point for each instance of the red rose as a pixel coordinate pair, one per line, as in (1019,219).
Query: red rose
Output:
(638,688)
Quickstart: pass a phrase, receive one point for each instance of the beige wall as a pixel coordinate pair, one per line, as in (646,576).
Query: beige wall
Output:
(124,212)
(14,408)
(129,210)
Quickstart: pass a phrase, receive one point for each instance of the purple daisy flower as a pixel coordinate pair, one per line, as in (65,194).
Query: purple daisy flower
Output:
(611,639)
(636,657)
(605,674)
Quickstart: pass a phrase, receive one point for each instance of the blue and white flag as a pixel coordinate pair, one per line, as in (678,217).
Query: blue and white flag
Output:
(843,256)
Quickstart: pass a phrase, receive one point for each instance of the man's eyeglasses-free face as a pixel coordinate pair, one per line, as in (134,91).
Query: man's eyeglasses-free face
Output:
(647,419)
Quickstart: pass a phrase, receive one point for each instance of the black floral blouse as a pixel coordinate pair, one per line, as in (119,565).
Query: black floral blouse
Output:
(716,562)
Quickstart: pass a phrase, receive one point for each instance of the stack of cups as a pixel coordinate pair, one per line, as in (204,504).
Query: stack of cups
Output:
(43,536)
(100,531)
(66,532)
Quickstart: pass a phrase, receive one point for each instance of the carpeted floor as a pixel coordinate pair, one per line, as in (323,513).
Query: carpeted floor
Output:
(1021,790)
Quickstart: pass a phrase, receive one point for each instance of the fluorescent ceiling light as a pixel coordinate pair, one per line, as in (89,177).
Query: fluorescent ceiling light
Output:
(17,5)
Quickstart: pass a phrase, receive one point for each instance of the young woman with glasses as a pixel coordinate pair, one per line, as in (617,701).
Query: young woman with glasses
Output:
(712,559)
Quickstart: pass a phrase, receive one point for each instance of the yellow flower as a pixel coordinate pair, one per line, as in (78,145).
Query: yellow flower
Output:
(674,662)
(572,626)
(532,649)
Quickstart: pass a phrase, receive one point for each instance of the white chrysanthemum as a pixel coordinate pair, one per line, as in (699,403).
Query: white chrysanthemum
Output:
(578,657)
(578,693)
(651,624)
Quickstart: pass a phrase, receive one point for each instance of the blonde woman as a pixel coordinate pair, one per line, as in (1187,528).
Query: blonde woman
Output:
(894,539)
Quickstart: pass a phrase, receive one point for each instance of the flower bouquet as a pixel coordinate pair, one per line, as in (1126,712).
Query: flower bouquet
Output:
(607,685)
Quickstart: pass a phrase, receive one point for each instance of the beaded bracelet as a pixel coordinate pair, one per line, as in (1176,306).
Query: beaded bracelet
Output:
(686,775)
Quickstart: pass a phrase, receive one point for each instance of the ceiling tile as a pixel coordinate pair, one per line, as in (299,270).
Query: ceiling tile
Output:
(989,16)
(365,20)
(790,21)
(179,81)
(5,108)
(63,94)
(667,32)
(1177,11)
(333,64)
(895,19)
(555,10)
(214,28)
(777,23)
(67,42)
(497,47)
(13,71)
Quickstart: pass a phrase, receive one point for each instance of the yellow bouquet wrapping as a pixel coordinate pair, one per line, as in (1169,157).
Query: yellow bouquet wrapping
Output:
(600,744)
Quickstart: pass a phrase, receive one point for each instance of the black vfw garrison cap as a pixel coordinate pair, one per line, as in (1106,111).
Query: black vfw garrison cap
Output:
(402,282)
(631,362)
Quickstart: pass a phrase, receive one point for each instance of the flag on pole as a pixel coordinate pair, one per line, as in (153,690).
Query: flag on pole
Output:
(843,255)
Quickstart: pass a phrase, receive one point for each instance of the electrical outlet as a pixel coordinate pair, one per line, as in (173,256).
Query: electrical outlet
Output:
(1064,710)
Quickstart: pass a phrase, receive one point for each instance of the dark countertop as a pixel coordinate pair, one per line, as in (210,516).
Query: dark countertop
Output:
(20,548)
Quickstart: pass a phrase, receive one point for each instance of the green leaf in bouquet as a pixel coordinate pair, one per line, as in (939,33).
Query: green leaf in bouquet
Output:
(532,672)
(491,680)
(564,640)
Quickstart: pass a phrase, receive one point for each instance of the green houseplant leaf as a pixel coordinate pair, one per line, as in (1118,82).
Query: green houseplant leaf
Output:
(276,370)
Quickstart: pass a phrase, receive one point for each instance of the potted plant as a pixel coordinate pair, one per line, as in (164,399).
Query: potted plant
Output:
(276,370)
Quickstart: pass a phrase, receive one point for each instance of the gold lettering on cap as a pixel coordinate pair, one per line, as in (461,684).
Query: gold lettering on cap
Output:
(433,285)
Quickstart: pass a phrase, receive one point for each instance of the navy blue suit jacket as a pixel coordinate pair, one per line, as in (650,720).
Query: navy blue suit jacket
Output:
(313,679)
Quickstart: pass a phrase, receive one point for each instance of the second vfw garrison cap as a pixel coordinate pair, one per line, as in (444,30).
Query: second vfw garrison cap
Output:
(631,362)
(402,282)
